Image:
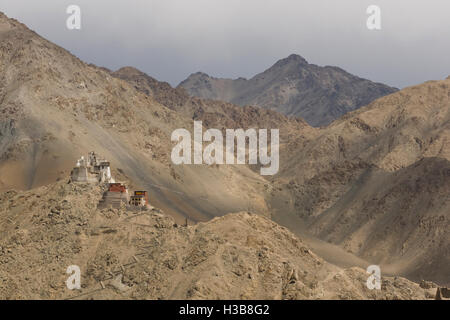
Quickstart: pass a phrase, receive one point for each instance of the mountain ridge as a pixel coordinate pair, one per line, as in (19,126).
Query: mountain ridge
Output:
(293,87)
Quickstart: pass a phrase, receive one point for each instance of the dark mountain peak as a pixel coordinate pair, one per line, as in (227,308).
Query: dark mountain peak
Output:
(129,71)
(197,77)
(292,59)
(294,87)
(200,74)
(296,57)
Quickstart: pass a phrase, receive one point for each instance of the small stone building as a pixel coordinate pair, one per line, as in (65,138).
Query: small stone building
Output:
(139,199)
(115,196)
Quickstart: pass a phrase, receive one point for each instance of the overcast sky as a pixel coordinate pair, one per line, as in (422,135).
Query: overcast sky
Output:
(170,39)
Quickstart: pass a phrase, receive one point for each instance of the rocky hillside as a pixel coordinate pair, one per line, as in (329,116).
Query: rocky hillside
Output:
(146,255)
(56,108)
(377,181)
(213,113)
(293,87)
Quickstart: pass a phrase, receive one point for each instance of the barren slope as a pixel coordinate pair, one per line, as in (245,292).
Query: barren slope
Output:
(377,181)
(55,108)
(213,113)
(380,191)
(148,256)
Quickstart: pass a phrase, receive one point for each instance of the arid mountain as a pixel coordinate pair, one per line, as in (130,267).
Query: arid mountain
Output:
(55,108)
(341,181)
(377,181)
(213,113)
(293,87)
(124,255)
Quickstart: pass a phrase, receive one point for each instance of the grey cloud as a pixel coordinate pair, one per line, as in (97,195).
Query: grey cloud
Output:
(169,39)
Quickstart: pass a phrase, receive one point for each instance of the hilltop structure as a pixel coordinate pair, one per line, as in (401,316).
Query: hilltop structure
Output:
(139,200)
(116,195)
(92,170)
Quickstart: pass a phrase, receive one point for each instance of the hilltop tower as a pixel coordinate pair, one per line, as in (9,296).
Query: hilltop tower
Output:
(92,170)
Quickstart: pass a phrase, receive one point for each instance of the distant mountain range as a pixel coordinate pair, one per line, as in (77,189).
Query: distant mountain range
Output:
(293,87)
